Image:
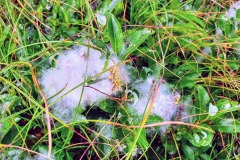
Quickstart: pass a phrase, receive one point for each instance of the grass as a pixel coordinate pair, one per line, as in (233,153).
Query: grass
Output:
(192,45)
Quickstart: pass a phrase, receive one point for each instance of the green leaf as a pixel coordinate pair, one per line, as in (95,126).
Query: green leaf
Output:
(10,99)
(64,16)
(203,95)
(187,43)
(113,4)
(115,34)
(229,125)
(99,43)
(142,141)
(105,106)
(226,25)
(66,134)
(205,157)
(129,140)
(135,41)
(188,80)
(154,119)
(175,4)
(191,18)
(169,147)
(39,12)
(11,134)
(145,71)
(188,152)
(119,8)
(226,104)
(202,99)
(4,34)
(199,137)
(5,126)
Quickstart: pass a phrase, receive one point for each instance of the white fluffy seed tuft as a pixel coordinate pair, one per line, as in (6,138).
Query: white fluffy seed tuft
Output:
(80,78)
(165,103)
